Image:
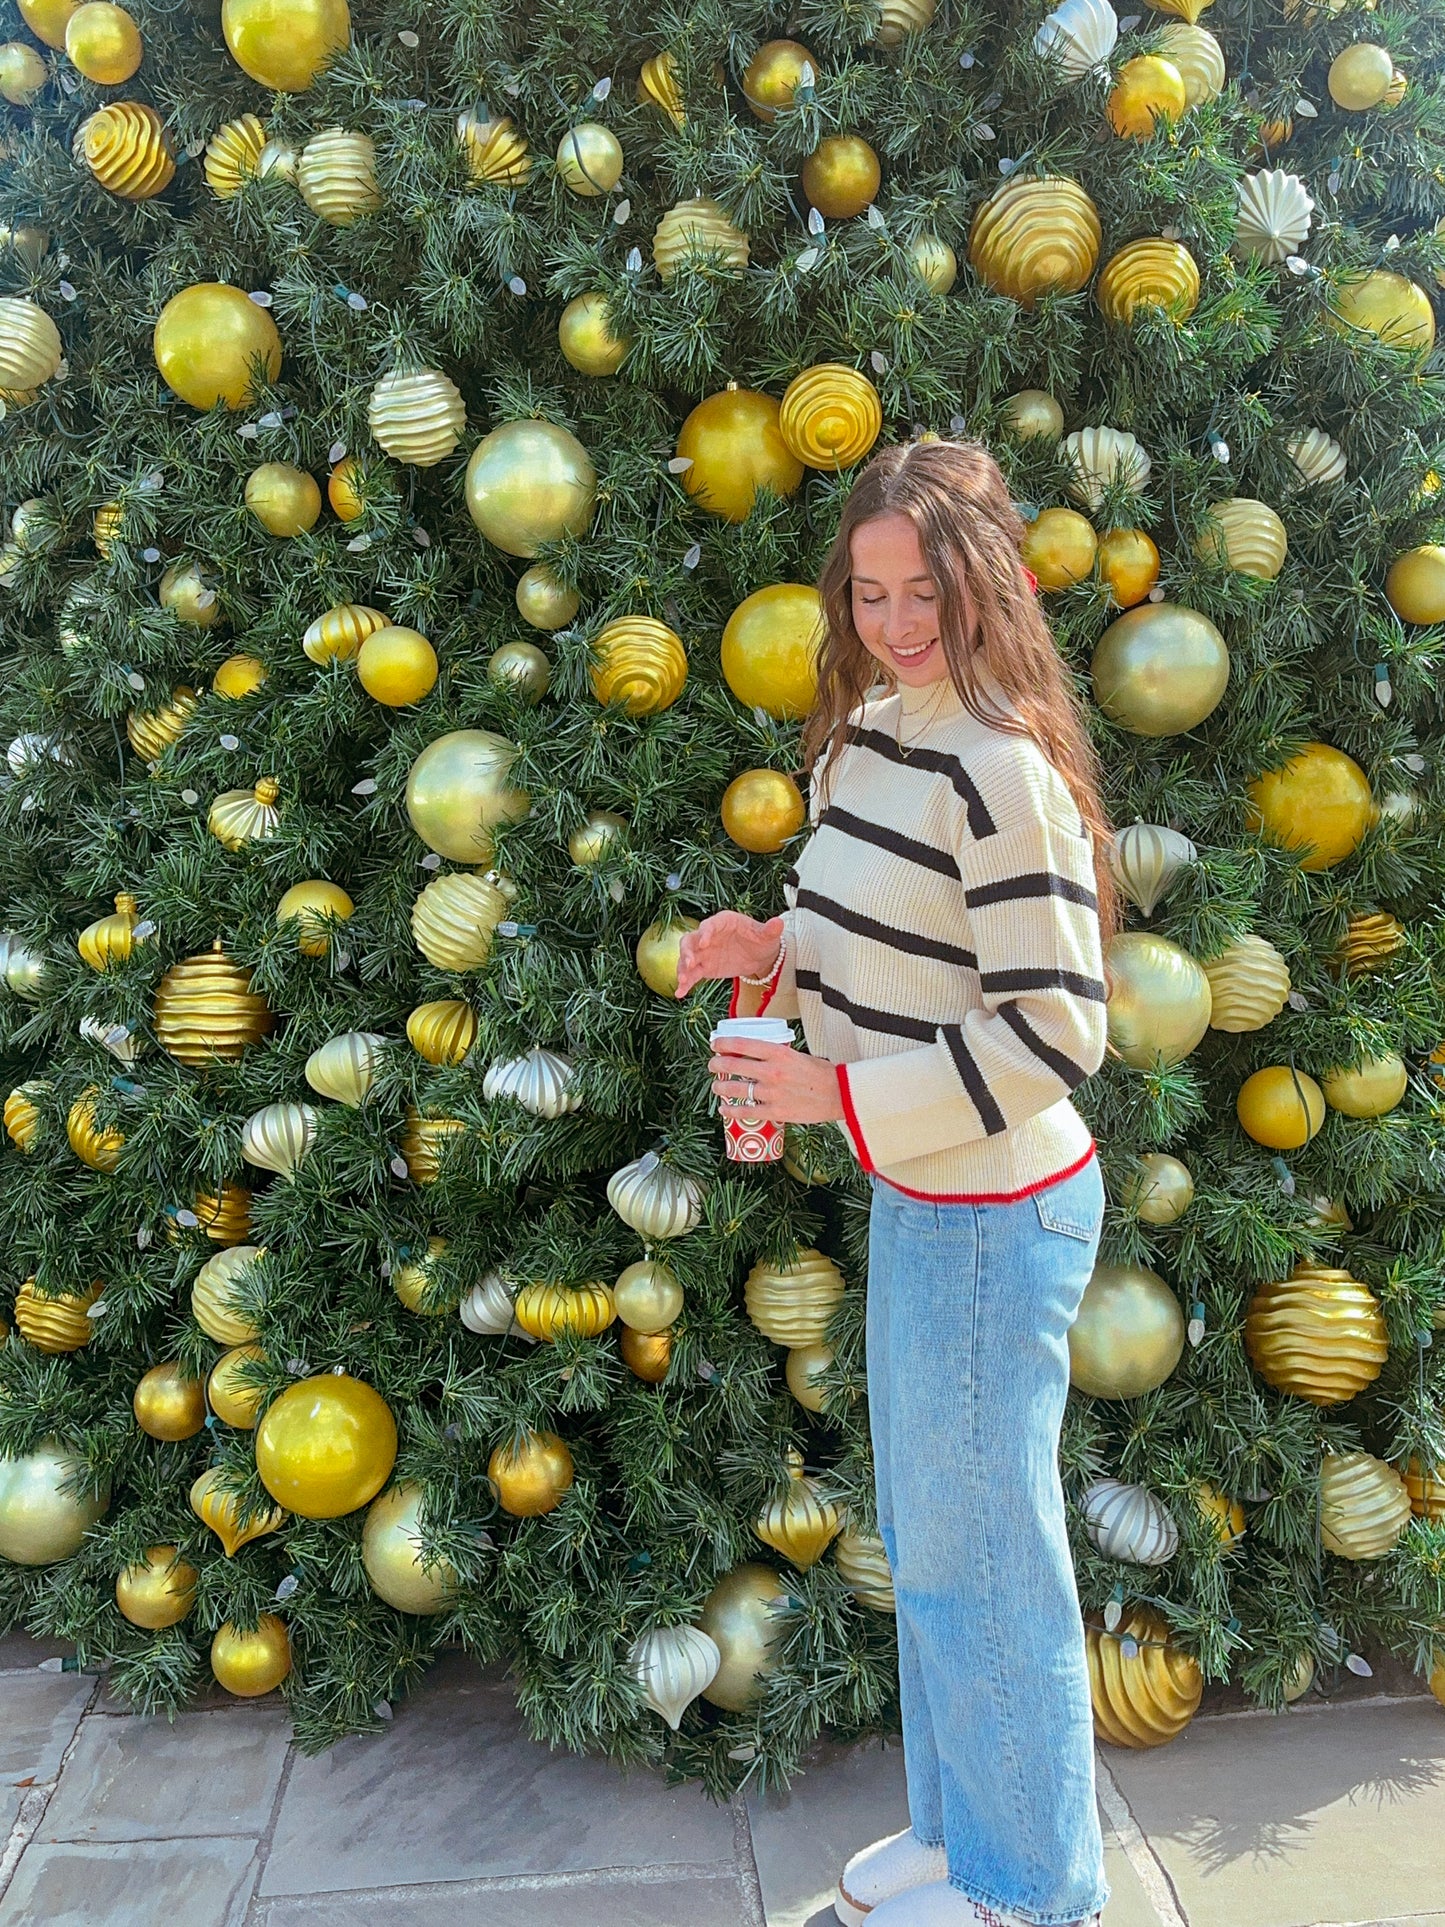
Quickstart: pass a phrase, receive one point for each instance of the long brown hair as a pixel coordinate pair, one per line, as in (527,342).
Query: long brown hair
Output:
(955,496)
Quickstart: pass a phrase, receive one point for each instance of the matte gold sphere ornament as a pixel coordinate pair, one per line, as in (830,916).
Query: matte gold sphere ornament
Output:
(93,1143)
(458,794)
(417,416)
(452,921)
(530,482)
(794,1304)
(654,1199)
(205,1007)
(698,233)
(589,159)
(338,635)
(1360,76)
(1148,273)
(639,665)
(1129,1334)
(397,666)
(493,150)
(219,1509)
(1318,803)
(802,1523)
(523,668)
(251,1663)
(55,1324)
(1059,547)
(190,594)
(774,74)
(1364,1505)
(1371,938)
(936,265)
(1145,1689)
(862,1562)
(168,1403)
(1426,1490)
(209,343)
(1149,88)
(1160,1191)
(770,649)
(733,446)
(830,416)
(336,176)
(103,42)
(443,1032)
(233,155)
(326,1446)
(110,939)
(584,334)
(1128,561)
(1199,58)
(158,1590)
(230,1394)
(744,1616)
(313,909)
(23,73)
(286,501)
(1249,984)
(1415,585)
(551,1311)
(1318,1334)
(544,600)
(1280,1107)
(531,1474)
(393,1553)
(1032,414)
(659,83)
(761,809)
(598,838)
(1160,669)
(285,44)
(1244,535)
(647,1297)
(1395,310)
(152,731)
(47,19)
(1034,237)
(841,176)
(1366,1090)
(238,817)
(219,1299)
(46,1508)
(658,952)
(647,1355)
(125,147)
(1159,1007)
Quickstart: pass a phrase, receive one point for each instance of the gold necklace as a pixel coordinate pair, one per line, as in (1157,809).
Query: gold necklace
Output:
(905,751)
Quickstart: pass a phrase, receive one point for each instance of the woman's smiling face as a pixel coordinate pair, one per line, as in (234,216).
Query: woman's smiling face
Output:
(895,600)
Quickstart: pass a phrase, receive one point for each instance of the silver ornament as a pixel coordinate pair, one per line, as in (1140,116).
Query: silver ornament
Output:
(673,1665)
(1127,1522)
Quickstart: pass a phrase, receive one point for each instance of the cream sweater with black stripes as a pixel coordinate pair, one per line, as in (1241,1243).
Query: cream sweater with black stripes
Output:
(943,948)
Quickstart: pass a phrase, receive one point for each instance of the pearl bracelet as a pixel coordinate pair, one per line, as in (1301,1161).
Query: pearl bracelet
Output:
(762,983)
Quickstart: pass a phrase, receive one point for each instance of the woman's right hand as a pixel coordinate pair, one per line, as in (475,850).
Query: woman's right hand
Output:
(727,945)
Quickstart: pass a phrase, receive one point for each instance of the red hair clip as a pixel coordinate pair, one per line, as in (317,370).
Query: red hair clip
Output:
(1031,579)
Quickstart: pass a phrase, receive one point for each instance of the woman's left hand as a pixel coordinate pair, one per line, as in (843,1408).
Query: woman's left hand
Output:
(789,1087)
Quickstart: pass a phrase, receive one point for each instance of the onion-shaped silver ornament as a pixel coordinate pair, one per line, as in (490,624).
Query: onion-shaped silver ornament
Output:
(1102,457)
(121,1040)
(1127,1522)
(344,1068)
(656,1201)
(673,1665)
(1147,860)
(541,1081)
(279,1137)
(487,1309)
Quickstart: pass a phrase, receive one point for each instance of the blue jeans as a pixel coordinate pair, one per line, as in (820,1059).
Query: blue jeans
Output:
(969,1308)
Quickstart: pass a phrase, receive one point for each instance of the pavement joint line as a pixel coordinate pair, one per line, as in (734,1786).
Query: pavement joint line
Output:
(660,1875)
(1152,1875)
(37,1799)
(268,1832)
(754,1914)
(1325,1706)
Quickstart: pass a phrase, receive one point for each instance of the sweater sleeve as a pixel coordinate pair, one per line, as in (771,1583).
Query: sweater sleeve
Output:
(777,998)
(1033,914)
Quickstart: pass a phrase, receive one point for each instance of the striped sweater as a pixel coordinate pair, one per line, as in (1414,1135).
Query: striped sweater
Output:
(943,948)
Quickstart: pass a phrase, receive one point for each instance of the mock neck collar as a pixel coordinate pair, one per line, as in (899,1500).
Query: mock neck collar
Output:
(937,700)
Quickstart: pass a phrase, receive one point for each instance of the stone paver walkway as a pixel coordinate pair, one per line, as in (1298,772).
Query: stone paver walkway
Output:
(1333,1816)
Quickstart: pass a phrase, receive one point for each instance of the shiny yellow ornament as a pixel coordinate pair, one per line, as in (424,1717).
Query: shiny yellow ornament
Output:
(238,817)
(94,1144)
(443,1032)
(28,242)
(544,600)
(589,159)
(285,44)
(344,490)
(1426,1489)
(217,1306)
(1147,89)
(103,42)
(1129,1334)
(1249,985)
(168,1403)
(238,676)
(189,595)
(1148,273)
(424,1144)
(338,635)
(1393,309)
(585,336)
(744,1615)
(761,809)
(1059,546)
(1371,938)
(158,1590)
(250,1664)
(647,1297)
(417,417)
(1225,1515)
(806,1369)
(659,83)
(1031,414)
(125,147)
(220,1509)
(1360,76)
(205,1008)
(1319,803)
(841,176)
(453,919)
(1199,58)
(314,907)
(326,1446)
(208,341)
(1364,1505)
(397,666)
(233,156)
(336,176)
(152,731)
(110,939)
(458,794)
(286,501)
(412,1281)
(1370,1089)
(935,264)
(1318,1334)
(774,74)
(600,836)
(279,160)
(48,19)
(647,1355)
(830,416)
(550,1311)
(58,1324)
(1128,561)
(770,649)
(106,527)
(530,482)
(862,1562)
(697,233)
(531,1475)
(657,953)
(43,1518)
(1034,237)
(493,150)
(1159,1007)
(522,668)
(1160,669)
(1280,1107)
(22,73)
(802,1523)
(22,1115)
(639,665)
(794,1304)
(1244,535)
(1415,585)
(733,446)
(224,1215)
(393,1553)
(1146,1692)
(232,1398)
(1161,1190)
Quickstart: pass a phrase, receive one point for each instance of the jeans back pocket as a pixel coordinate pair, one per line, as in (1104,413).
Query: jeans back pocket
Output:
(1072,1206)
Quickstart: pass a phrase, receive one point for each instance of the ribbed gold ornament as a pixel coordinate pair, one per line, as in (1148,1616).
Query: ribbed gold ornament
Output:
(344,1068)
(493,150)
(110,939)
(94,1144)
(245,816)
(697,231)
(417,417)
(1189,10)
(338,635)
(658,82)
(1364,1505)
(30,348)
(424,1143)
(216,1305)
(1199,58)
(1146,1699)
(1426,1489)
(793,1304)
(1370,938)
(55,1324)
(152,731)
(551,1311)
(336,176)
(1246,535)
(1033,237)
(205,1007)
(233,155)
(1249,984)
(802,1523)
(221,1511)
(654,1199)
(862,1562)
(125,147)
(22,1115)
(1317,1334)
(443,1032)
(224,1215)
(1148,273)
(831,415)
(453,919)
(640,665)
(898,18)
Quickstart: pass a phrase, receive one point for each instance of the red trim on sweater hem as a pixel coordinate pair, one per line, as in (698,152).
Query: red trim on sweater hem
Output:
(850,1118)
(981,1197)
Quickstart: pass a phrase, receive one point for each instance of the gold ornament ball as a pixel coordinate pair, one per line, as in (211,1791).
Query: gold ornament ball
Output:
(326,1446)
(1129,563)
(458,793)
(158,1590)
(522,668)
(936,265)
(1280,1107)
(22,73)
(188,595)
(1148,273)
(284,500)
(343,490)
(285,44)
(443,1032)
(1319,803)
(639,665)
(1059,546)
(761,809)
(1364,1505)
(249,1664)
(1246,536)
(532,1476)
(1147,88)
(103,42)
(1360,76)
(806,1368)
(530,482)
(1031,414)
(126,148)
(168,1403)
(493,150)
(699,233)
(233,1400)
(830,415)
(733,445)
(1370,1089)
(657,953)
(647,1355)
(1318,1334)
(391,1551)
(1129,1334)
(1035,237)
(397,666)
(585,336)
(40,1521)
(233,155)
(336,176)
(1161,1191)
(598,838)
(841,176)
(648,1297)
(314,907)
(744,1614)
(770,649)
(1146,1700)
(1224,1514)
(48,19)
(589,159)
(1161,1001)
(1415,585)
(544,600)
(1160,669)
(1395,310)
(774,75)
(206,341)
(239,676)
(417,417)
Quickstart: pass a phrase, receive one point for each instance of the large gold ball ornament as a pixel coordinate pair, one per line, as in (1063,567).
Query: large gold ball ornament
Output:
(125,147)
(1160,1004)
(647,1355)
(392,1553)
(286,501)
(168,1403)
(1280,1107)
(1032,415)
(770,649)
(1161,1190)
(657,953)
(458,793)
(55,1324)
(841,176)
(1318,803)
(697,233)
(523,668)
(830,415)
(103,42)
(1364,1505)
(936,265)
(443,1032)
(744,1615)
(1369,1089)
(544,600)
(285,44)
(1148,273)
(647,1297)
(530,482)
(1249,985)
(761,809)
(205,1007)
(326,1446)
(338,635)
(417,417)
(531,1475)
(658,83)
(1246,536)
(1160,669)
(314,908)
(589,159)
(152,731)
(585,336)
(1129,1334)
(249,1664)
(208,340)
(1415,584)
(189,594)
(98,1145)
(639,665)
(1318,1334)
(600,836)
(1393,309)
(794,1304)
(158,1590)
(452,921)
(1360,76)
(1144,1689)
(1034,237)
(48,19)
(493,150)
(232,1397)
(1147,89)
(397,666)
(1059,546)
(233,155)
(1129,562)
(774,74)
(238,817)
(22,73)
(336,176)
(733,445)
(43,1518)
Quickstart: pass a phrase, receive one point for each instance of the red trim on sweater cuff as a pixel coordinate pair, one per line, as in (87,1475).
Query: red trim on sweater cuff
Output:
(850,1117)
(990,1197)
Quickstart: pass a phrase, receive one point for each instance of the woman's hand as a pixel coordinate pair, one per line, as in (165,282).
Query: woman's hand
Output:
(787,1085)
(727,945)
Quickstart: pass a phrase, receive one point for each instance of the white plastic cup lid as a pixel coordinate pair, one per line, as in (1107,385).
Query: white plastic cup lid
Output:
(757,1030)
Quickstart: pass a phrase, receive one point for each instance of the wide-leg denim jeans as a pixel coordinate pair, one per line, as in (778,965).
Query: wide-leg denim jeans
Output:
(969,1308)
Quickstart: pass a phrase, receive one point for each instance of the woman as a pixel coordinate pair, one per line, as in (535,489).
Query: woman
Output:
(942,946)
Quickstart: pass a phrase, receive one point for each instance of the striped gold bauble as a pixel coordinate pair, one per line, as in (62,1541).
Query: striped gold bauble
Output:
(1318,1334)
(225,1214)
(862,1562)
(1426,1488)
(1370,938)
(338,635)
(110,939)
(1145,1689)
(453,919)
(233,155)
(423,1143)
(551,1311)
(793,1304)
(697,231)
(98,1145)
(658,83)
(1364,1506)
(238,817)
(336,176)
(493,150)
(640,665)
(1199,58)
(442,1032)
(1246,535)
(152,731)
(1034,237)
(217,1305)
(31,350)
(417,417)
(1249,984)
(803,1522)
(205,1007)
(22,1115)
(1148,273)
(831,415)
(125,147)
(59,1324)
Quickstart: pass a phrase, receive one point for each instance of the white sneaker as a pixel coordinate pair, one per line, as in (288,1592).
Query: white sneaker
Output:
(939,1905)
(888,1867)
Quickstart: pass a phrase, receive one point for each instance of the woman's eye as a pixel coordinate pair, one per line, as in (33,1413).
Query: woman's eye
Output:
(871,601)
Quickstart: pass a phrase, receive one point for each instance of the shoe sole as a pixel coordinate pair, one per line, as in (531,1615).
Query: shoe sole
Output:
(848,1911)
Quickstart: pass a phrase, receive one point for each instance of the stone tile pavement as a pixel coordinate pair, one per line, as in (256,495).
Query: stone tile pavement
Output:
(1333,1816)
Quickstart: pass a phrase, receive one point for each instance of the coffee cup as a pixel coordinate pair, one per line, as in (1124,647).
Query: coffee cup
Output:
(752,1138)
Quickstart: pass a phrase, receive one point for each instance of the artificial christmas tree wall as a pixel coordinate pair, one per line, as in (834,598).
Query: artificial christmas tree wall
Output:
(581,320)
